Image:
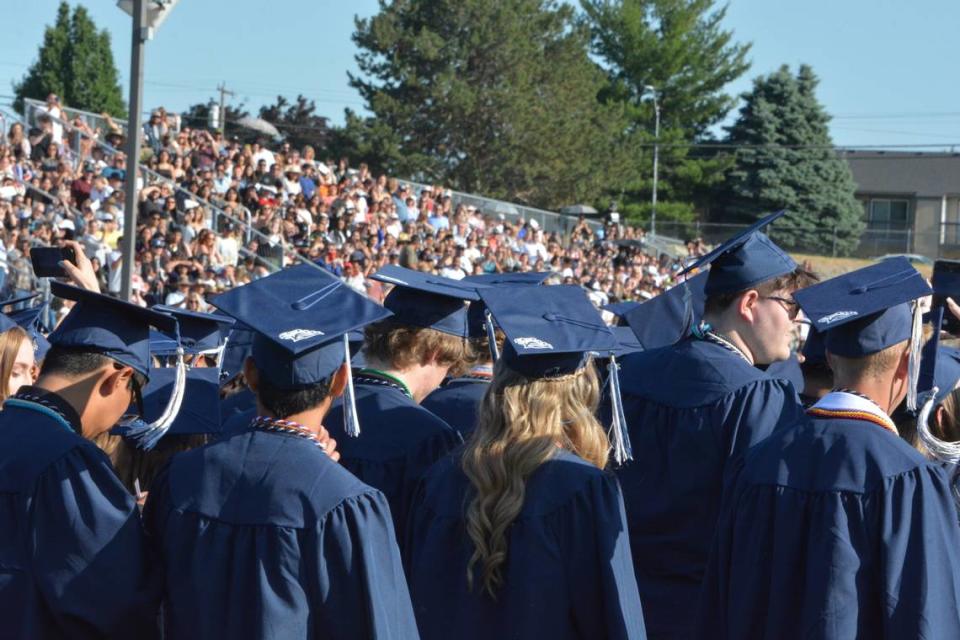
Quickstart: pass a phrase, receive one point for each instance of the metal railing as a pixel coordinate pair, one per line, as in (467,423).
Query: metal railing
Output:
(32,108)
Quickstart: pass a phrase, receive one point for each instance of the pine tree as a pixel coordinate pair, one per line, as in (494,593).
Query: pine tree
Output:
(785,160)
(494,98)
(298,122)
(680,48)
(75,62)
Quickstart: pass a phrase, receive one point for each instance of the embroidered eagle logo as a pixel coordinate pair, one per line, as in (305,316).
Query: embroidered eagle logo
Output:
(533,343)
(837,317)
(296,335)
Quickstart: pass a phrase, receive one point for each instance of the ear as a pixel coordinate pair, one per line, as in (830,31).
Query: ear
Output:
(338,384)
(251,375)
(940,412)
(747,305)
(115,380)
(903,366)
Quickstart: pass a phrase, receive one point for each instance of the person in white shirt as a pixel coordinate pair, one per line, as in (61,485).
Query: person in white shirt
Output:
(228,246)
(52,108)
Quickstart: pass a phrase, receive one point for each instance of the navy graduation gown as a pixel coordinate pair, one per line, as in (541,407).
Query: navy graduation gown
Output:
(834,529)
(568,572)
(73,559)
(263,536)
(399,440)
(457,402)
(690,409)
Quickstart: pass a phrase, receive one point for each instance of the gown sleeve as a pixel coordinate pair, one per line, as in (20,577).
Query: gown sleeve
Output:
(604,587)
(90,558)
(921,573)
(759,409)
(360,577)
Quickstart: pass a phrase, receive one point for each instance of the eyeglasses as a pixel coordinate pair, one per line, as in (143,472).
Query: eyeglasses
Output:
(790,306)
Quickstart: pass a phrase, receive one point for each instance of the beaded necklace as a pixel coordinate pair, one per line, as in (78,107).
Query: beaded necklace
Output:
(289,427)
(716,338)
(375,376)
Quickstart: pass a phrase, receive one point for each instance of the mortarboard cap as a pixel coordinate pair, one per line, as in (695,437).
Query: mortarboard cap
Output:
(29,320)
(659,321)
(235,352)
(426,300)
(745,260)
(200,411)
(550,332)
(476,311)
(867,310)
(620,309)
(944,362)
(300,316)
(7,320)
(117,329)
(627,342)
(814,351)
(199,332)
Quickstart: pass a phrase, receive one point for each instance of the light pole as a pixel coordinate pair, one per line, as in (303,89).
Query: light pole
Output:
(147,17)
(656,156)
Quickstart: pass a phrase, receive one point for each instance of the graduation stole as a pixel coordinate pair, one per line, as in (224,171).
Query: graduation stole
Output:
(848,405)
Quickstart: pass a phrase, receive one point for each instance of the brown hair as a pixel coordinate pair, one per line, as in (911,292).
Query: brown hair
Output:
(10,342)
(521,422)
(848,371)
(796,279)
(134,464)
(403,345)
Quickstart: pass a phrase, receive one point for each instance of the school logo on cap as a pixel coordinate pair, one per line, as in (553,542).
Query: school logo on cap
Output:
(296,335)
(533,343)
(837,317)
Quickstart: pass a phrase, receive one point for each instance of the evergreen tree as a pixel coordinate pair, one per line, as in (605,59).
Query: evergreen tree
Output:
(493,98)
(198,115)
(298,122)
(680,48)
(785,160)
(75,62)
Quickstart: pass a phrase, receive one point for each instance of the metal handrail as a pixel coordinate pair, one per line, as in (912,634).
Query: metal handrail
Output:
(32,105)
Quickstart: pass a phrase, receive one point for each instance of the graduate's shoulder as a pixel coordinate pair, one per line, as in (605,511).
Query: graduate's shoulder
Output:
(555,485)
(31,443)
(834,455)
(386,415)
(690,373)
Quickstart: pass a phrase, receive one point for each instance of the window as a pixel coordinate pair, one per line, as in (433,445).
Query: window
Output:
(888,215)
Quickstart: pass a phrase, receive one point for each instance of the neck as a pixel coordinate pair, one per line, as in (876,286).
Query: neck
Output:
(311,419)
(78,393)
(410,376)
(730,333)
(880,392)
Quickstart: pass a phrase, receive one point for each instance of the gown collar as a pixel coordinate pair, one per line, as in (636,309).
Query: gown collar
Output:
(51,401)
(842,404)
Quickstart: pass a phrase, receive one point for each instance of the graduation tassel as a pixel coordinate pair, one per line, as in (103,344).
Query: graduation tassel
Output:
(943,451)
(913,369)
(491,335)
(351,423)
(147,435)
(619,438)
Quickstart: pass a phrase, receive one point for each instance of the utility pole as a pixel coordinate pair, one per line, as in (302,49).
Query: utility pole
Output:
(222,88)
(656,157)
(134,134)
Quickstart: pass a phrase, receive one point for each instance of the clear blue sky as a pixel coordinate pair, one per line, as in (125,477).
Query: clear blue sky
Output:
(887,68)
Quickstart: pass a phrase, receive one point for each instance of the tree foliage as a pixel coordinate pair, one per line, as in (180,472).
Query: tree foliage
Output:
(680,49)
(495,98)
(298,122)
(785,159)
(75,62)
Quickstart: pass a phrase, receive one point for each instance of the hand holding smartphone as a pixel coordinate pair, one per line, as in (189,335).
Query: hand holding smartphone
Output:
(47,261)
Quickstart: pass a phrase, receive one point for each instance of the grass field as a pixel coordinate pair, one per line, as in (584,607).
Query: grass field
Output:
(827,267)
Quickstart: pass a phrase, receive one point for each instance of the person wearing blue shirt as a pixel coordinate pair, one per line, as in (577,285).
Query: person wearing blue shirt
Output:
(694,407)
(835,527)
(261,533)
(73,559)
(522,533)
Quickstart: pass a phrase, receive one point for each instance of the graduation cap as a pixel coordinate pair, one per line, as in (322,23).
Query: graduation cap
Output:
(29,320)
(120,331)
(302,317)
(425,300)
(479,322)
(814,350)
(200,412)
(868,310)
(7,320)
(620,309)
(944,362)
(200,332)
(665,319)
(551,332)
(745,260)
(235,351)
(627,342)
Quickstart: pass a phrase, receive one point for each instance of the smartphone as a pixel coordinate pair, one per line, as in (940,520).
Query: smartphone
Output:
(46,261)
(946,284)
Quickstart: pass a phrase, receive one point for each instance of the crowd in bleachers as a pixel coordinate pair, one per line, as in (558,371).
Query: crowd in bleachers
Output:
(214,213)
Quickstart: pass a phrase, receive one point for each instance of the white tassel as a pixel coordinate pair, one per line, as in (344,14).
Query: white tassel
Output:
(491,335)
(148,435)
(913,368)
(351,422)
(941,450)
(619,438)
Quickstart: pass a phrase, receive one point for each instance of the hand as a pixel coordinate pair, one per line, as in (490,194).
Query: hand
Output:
(330,445)
(954,308)
(81,274)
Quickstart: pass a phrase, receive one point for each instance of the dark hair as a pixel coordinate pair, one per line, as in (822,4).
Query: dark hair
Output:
(283,403)
(796,279)
(72,362)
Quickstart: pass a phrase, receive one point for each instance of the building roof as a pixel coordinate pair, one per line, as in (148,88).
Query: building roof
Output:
(905,172)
